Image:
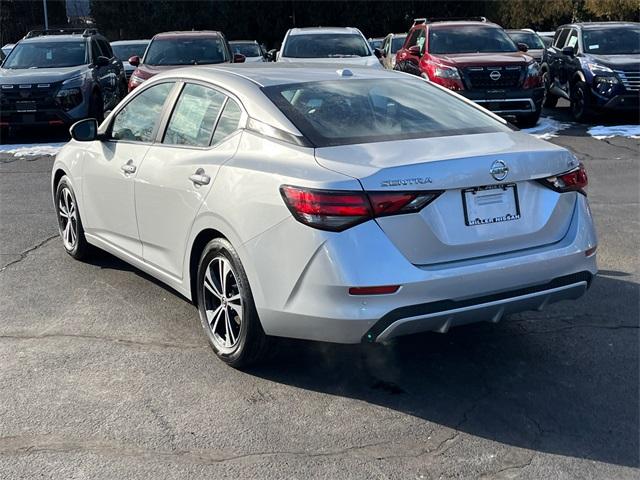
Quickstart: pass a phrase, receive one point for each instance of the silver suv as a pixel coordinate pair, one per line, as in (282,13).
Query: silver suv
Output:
(56,77)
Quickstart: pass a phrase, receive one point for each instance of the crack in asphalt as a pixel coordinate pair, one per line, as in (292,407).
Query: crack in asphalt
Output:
(519,466)
(123,341)
(624,147)
(26,446)
(25,253)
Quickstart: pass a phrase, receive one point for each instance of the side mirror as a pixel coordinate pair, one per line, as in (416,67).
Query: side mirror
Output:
(85,130)
(271,55)
(568,51)
(134,61)
(415,50)
(238,58)
(523,47)
(102,61)
(378,53)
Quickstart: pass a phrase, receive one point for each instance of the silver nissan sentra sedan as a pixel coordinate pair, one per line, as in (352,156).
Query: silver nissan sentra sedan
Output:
(325,203)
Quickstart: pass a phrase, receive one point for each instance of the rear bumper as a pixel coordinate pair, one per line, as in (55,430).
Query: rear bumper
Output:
(49,117)
(315,304)
(508,102)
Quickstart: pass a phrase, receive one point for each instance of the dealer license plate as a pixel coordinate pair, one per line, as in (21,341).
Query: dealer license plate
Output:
(491,204)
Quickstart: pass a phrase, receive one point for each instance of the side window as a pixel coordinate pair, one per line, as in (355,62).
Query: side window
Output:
(194,116)
(106,48)
(137,120)
(413,38)
(229,121)
(95,51)
(560,38)
(573,39)
(420,40)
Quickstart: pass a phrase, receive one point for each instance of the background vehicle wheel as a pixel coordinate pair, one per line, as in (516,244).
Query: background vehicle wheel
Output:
(69,222)
(550,100)
(96,107)
(580,102)
(225,304)
(528,121)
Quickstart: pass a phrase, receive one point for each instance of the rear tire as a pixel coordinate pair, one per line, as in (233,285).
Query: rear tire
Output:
(226,308)
(69,221)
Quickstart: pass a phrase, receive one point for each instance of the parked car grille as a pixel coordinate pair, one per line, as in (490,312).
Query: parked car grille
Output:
(485,78)
(630,79)
(14,96)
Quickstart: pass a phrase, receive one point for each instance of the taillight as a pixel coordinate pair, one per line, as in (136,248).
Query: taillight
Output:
(573,181)
(337,210)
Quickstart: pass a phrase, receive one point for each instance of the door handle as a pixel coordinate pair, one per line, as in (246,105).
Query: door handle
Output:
(200,178)
(128,167)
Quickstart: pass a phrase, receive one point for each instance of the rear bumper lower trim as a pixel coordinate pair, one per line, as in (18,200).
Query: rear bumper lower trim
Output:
(440,316)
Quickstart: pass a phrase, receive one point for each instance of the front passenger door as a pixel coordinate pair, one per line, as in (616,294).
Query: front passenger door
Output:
(110,167)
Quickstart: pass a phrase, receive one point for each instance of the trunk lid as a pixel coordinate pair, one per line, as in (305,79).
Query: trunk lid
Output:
(439,232)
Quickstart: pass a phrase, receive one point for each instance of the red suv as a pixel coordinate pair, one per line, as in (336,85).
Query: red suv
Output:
(177,49)
(479,60)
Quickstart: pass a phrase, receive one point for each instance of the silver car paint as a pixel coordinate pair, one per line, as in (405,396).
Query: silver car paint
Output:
(300,276)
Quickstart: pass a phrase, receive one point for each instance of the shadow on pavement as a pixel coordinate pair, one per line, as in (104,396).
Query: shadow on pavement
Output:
(562,385)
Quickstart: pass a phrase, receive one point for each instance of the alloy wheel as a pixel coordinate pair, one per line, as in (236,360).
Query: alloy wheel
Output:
(222,304)
(68,215)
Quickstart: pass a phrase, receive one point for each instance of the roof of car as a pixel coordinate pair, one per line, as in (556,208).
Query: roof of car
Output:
(189,33)
(58,38)
(129,42)
(302,31)
(243,41)
(588,25)
(461,23)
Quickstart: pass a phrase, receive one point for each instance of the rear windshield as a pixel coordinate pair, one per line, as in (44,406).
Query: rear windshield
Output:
(47,55)
(397,42)
(325,45)
(612,41)
(469,39)
(125,52)
(531,40)
(246,49)
(186,51)
(350,111)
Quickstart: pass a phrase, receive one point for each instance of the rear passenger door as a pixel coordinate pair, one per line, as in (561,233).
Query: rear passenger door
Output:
(179,170)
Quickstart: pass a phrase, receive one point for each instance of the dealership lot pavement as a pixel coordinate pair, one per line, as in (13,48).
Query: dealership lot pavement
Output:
(106,374)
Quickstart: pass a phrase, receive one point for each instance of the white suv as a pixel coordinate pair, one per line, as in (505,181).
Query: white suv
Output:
(342,45)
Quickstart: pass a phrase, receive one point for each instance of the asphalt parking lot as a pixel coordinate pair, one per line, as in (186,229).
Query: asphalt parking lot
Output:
(106,373)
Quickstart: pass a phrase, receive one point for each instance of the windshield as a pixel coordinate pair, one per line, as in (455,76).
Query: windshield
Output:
(612,41)
(185,51)
(47,55)
(246,49)
(531,40)
(325,45)
(126,51)
(397,42)
(469,39)
(339,112)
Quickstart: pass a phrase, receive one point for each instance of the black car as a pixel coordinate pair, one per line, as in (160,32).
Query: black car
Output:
(596,66)
(56,77)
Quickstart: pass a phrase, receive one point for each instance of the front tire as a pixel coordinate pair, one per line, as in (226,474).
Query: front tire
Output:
(528,121)
(581,102)
(226,308)
(69,221)
(550,100)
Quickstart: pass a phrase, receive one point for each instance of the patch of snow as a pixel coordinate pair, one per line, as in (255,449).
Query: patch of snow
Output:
(601,132)
(547,128)
(32,149)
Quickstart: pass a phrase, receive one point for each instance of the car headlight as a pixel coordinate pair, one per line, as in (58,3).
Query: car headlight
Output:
(444,71)
(69,98)
(533,69)
(598,69)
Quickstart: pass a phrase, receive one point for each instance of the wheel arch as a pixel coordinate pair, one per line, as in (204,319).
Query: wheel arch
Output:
(199,242)
(578,77)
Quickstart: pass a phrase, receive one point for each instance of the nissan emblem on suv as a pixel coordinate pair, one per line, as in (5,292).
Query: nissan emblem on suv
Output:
(495,75)
(499,170)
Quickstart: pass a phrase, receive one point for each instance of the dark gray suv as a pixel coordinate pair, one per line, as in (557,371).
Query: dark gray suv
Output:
(56,77)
